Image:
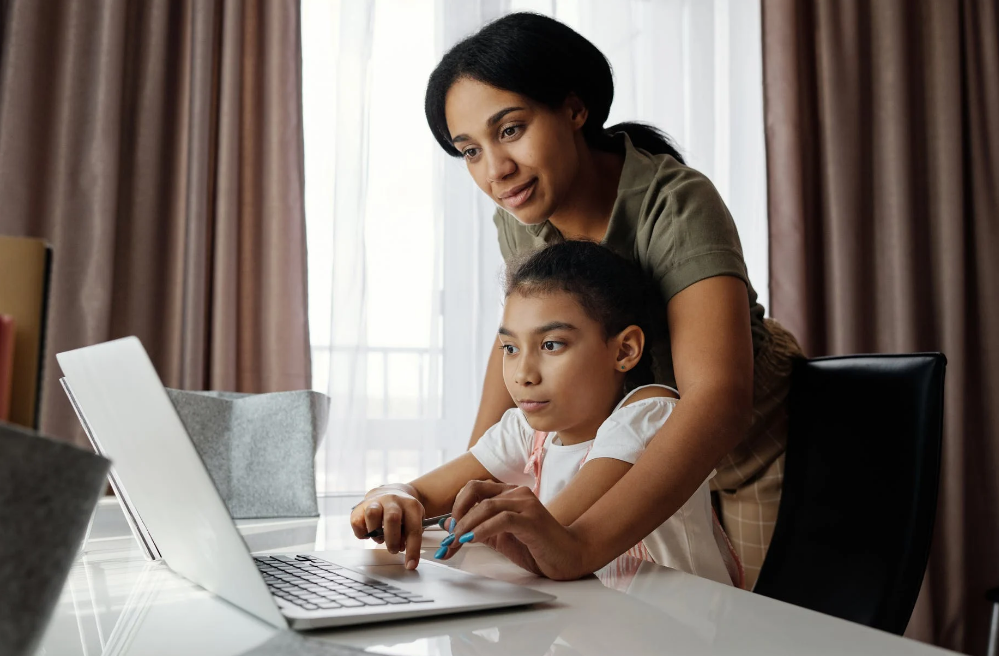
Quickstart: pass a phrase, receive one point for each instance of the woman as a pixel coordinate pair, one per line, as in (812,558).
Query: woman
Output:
(524,101)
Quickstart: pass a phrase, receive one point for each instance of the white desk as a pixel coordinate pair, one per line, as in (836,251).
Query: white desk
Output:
(116,603)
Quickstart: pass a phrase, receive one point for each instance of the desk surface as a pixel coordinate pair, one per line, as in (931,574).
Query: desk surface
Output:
(117,603)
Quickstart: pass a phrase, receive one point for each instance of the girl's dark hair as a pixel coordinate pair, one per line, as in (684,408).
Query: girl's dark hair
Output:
(544,60)
(612,291)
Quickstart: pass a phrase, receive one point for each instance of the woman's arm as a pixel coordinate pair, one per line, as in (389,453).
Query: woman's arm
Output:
(495,398)
(713,361)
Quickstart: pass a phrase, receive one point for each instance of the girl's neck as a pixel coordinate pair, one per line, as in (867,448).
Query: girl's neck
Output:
(585,212)
(587,429)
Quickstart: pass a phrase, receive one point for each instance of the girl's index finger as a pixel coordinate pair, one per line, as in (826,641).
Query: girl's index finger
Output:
(475,492)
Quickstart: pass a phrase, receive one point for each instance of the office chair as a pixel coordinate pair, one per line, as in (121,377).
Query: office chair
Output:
(860,484)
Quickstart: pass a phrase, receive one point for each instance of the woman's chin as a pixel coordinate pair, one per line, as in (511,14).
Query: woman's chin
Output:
(529,216)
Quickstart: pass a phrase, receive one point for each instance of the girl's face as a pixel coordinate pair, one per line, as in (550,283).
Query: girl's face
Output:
(558,366)
(522,154)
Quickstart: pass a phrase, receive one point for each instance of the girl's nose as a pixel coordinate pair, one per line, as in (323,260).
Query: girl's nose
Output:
(527,374)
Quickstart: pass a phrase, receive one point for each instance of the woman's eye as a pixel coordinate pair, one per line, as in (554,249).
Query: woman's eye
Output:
(510,131)
(469,153)
(551,346)
(509,349)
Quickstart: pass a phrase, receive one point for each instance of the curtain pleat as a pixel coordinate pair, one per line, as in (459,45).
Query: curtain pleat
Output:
(883,170)
(158,146)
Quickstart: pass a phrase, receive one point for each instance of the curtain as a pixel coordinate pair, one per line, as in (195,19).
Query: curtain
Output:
(404,266)
(158,146)
(882,144)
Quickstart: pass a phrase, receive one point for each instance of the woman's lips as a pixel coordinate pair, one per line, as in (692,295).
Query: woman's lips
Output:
(532,406)
(521,197)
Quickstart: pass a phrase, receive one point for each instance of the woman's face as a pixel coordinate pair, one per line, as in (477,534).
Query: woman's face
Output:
(521,153)
(557,364)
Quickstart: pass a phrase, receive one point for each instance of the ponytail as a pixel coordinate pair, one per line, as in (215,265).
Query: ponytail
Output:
(647,137)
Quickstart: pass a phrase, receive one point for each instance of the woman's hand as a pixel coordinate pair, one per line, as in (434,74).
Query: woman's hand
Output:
(514,522)
(399,514)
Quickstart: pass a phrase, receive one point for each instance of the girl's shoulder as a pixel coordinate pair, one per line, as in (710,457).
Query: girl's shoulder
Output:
(633,424)
(655,393)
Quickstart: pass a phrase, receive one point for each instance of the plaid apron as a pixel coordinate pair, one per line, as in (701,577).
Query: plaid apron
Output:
(748,480)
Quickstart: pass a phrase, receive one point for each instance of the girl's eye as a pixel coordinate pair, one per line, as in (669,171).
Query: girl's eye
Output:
(552,346)
(510,131)
(509,349)
(469,153)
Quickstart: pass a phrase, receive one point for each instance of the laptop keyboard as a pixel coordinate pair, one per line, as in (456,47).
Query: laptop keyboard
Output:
(315,584)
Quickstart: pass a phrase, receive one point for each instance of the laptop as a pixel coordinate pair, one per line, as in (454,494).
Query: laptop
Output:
(126,410)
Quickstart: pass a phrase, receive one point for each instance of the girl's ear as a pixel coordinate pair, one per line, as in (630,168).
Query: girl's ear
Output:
(577,111)
(630,343)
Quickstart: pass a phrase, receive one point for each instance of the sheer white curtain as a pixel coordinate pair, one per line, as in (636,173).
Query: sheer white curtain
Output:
(403,263)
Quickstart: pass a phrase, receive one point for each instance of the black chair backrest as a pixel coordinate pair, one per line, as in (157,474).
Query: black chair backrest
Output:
(860,487)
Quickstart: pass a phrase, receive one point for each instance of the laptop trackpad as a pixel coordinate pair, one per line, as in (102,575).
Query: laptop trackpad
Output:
(362,557)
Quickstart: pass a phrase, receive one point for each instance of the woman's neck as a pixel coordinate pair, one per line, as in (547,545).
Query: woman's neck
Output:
(585,211)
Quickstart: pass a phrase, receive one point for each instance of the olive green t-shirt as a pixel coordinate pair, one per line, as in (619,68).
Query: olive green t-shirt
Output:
(669,219)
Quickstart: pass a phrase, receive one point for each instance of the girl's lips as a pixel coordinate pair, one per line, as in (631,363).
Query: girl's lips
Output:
(522,197)
(532,406)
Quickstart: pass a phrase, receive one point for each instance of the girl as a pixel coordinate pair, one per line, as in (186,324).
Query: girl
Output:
(524,102)
(574,359)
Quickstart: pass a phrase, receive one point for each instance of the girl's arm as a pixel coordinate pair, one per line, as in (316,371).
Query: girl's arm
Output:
(399,508)
(713,360)
(495,397)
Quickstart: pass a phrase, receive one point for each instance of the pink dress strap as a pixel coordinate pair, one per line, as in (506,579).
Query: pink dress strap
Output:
(536,459)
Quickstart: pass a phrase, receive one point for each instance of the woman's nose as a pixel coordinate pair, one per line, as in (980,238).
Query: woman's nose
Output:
(499,165)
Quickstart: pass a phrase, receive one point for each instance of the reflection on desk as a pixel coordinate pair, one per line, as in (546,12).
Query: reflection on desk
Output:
(117,603)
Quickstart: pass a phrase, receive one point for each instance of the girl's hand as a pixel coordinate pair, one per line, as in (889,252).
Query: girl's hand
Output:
(398,514)
(511,520)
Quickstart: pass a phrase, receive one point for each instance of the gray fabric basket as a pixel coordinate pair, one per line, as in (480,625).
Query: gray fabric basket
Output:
(259,448)
(48,490)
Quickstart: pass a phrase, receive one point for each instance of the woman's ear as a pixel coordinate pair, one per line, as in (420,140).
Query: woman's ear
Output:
(630,344)
(577,111)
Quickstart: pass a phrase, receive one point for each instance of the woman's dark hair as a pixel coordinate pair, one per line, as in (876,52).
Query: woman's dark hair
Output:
(544,60)
(612,291)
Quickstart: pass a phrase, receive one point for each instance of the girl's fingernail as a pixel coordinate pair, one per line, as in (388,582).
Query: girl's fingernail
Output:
(441,523)
(451,525)
(410,564)
(440,553)
(467,537)
(446,542)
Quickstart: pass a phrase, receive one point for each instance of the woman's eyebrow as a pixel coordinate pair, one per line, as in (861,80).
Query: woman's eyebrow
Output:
(493,120)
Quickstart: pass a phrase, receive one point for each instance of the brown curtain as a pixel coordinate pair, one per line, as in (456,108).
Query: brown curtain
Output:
(157,144)
(882,124)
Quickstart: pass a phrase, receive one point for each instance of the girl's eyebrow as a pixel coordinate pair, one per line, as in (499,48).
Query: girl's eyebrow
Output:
(548,327)
(493,120)
(554,325)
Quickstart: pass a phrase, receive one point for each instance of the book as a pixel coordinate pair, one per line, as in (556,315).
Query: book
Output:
(7,335)
(25,270)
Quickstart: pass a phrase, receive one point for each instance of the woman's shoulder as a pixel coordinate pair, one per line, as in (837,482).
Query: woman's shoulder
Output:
(676,192)
(659,177)
(515,237)
(674,221)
